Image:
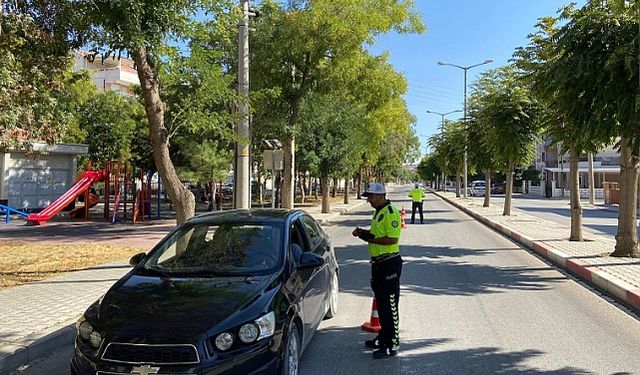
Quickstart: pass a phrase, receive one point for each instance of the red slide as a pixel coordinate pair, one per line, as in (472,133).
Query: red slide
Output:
(78,212)
(85,182)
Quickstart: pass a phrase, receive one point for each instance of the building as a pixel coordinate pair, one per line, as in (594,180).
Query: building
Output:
(554,166)
(27,182)
(109,74)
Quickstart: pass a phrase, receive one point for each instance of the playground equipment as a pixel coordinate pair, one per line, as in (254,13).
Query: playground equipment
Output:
(117,178)
(9,210)
(80,212)
(80,187)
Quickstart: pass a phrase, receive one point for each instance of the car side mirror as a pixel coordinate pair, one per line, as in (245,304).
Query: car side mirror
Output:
(310,260)
(136,259)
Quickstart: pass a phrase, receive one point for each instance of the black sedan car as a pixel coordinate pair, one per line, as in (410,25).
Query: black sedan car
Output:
(237,292)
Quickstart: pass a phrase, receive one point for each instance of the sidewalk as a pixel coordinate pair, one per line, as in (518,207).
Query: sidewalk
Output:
(38,317)
(588,260)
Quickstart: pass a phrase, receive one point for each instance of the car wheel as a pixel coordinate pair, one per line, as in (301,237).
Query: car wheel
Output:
(292,352)
(333,297)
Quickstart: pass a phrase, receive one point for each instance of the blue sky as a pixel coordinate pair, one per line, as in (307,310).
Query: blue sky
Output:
(461,32)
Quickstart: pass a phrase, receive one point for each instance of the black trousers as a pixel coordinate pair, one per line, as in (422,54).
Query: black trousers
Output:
(414,206)
(385,282)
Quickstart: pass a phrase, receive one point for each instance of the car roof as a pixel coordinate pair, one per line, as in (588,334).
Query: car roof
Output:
(244,215)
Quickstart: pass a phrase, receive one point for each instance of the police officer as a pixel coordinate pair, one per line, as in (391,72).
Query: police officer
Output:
(417,195)
(386,265)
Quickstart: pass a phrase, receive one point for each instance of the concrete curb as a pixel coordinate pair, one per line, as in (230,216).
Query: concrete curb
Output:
(17,354)
(620,290)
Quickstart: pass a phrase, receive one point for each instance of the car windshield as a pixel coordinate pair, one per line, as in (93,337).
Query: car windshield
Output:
(218,249)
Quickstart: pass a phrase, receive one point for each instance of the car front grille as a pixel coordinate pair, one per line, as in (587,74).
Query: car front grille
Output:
(176,354)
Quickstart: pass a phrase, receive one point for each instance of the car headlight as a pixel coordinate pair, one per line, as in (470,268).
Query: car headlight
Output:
(88,333)
(248,333)
(84,329)
(224,341)
(267,325)
(95,339)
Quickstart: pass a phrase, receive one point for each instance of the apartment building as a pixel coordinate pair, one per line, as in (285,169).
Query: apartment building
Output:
(110,73)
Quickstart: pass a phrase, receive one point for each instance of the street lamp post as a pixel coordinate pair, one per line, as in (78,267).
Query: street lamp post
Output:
(442,132)
(465,69)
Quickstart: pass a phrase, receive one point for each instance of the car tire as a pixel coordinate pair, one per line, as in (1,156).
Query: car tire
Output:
(333,297)
(291,359)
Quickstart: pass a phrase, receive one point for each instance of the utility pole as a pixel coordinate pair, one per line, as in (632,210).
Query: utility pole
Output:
(241,173)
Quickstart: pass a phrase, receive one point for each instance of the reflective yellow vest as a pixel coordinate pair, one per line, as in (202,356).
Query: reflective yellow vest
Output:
(385,223)
(416,194)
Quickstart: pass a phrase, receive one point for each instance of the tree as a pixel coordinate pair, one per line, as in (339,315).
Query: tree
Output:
(428,168)
(107,122)
(506,106)
(34,70)
(153,32)
(448,149)
(591,84)
(562,88)
(295,46)
(479,141)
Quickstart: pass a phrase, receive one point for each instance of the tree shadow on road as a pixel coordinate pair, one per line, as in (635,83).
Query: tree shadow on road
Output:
(332,346)
(433,270)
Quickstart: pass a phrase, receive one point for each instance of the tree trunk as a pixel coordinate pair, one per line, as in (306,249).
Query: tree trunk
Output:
(487,188)
(359,185)
(302,181)
(334,191)
(509,189)
(627,237)
(288,147)
(183,200)
(324,183)
(576,208)
(458,183)
(346,190)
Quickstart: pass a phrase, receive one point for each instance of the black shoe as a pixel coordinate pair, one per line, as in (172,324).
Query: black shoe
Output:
(373,344)
(384,353)
(412,222)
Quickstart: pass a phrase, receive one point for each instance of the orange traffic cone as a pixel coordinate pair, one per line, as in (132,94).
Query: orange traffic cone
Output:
(373,325)
(404,225)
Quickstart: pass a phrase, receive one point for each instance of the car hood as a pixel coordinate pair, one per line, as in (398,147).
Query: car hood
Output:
(161,308)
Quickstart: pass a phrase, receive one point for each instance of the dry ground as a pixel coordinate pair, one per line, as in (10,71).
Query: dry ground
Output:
(23,262)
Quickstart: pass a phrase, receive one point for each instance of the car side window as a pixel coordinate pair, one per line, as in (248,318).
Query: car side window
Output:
(297,243)
(312,230)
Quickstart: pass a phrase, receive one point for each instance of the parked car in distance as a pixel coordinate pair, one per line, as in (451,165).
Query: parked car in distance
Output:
(477,188)
(231,292)
(498,188)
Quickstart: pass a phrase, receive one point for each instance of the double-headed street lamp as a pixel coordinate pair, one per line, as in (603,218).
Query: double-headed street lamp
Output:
(442,132)
(465,69)
(442,115)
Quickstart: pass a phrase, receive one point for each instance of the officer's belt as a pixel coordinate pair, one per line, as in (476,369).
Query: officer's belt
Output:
(384,257)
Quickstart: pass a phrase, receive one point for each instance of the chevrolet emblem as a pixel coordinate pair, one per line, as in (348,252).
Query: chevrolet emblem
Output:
(145,370)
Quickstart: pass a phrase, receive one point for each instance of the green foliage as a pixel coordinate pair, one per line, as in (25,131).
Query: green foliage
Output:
(34,69)
(428,168)
(449,147)
(108,127)
(508,114)
(531,174)
(331,135)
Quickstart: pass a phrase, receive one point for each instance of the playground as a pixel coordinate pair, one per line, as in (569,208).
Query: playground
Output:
(120,193)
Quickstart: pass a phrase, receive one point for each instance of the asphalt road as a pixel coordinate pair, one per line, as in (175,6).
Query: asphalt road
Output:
(472,302)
